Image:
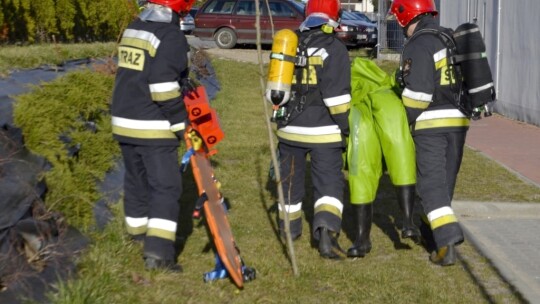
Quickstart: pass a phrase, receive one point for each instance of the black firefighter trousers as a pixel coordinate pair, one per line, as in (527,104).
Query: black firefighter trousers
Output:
(438,159)
(152,190)
(328,186)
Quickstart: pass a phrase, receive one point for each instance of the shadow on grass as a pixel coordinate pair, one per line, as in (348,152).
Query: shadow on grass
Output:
(270,207)
(186,219)
(187,205)
(387,215)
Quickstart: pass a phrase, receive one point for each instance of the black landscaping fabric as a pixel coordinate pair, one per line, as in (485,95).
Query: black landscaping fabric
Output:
(37,248)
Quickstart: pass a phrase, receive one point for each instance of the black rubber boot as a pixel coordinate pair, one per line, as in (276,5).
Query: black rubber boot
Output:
(364,217)
(445,256)
(405,196)
(427,236)
(328,245)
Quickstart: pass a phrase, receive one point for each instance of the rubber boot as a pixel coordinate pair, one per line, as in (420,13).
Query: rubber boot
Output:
(405,196)
(445,256)
(427,235)
(328,245)
(364,217)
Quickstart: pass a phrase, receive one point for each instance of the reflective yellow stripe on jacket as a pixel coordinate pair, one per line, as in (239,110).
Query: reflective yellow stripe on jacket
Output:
(145,129)
(318,135)
(440,119)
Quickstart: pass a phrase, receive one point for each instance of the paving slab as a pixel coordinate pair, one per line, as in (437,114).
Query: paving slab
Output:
(508,234)
(513,144)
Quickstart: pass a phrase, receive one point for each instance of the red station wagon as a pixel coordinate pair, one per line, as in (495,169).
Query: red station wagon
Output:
(229,22)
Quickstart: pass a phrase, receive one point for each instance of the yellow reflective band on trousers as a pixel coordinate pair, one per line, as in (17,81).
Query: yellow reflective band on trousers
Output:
(328,208)
(294,211)
(443,220)
(162,228)
(329,204)
(292,215)
(136,225)
(441,123)
(160,233)
(136,230)
(316,139)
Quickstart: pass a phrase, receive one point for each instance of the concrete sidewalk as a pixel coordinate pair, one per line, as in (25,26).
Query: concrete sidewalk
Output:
(508,234)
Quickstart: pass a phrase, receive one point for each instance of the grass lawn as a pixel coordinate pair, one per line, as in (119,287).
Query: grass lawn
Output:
(111,270)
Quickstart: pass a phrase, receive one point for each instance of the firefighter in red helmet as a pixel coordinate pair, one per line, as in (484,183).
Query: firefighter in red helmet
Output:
(438,126)
(148,119)
(315,123)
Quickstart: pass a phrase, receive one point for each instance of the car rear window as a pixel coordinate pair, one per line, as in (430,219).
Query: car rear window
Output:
(220,7)
(281,9)
(246,8)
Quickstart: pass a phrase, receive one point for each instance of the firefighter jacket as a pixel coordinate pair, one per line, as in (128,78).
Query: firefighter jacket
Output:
(429,93)
(319,108)
(147,106)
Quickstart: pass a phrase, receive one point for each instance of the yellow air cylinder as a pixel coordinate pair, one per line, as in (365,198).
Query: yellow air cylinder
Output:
(281,70)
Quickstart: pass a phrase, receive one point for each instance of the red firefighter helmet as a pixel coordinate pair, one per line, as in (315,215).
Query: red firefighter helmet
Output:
(407,10)
(319,12)
(178,6)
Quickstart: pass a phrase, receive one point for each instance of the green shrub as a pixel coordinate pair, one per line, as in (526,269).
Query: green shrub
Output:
(26,21)
(65,107)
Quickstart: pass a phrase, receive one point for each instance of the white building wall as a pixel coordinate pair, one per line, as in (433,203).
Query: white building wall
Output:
(511,30)
(355,5)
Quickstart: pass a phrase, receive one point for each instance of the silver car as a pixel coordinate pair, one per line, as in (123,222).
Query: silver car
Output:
(187,24)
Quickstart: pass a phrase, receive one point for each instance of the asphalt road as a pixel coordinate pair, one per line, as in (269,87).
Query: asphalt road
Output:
(243,53)
(200,44)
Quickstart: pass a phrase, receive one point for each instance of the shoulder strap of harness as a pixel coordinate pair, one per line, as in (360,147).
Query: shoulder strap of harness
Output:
(300,101)
(452,60)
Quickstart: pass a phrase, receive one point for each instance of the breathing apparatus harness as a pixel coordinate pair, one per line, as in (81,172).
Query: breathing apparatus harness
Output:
(454,71)
(299,100)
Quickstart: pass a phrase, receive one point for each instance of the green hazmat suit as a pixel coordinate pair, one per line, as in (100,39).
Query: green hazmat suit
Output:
(378,127)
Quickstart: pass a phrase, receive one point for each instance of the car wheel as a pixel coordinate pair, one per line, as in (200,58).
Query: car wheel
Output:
(225,38)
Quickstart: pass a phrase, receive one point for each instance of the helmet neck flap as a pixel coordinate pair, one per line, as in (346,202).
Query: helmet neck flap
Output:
(320,13)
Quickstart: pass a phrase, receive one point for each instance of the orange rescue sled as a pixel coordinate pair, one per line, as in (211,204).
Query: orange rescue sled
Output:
(202,134)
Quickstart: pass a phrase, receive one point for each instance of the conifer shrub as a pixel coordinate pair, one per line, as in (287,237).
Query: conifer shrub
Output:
(67,121)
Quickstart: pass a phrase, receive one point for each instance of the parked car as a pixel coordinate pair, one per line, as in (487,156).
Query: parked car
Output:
(193,11)
(229,22)
(355,32)
(362,16)
(187,24)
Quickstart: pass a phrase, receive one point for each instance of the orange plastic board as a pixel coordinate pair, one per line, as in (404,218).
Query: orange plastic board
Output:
(215,214)
(217,221)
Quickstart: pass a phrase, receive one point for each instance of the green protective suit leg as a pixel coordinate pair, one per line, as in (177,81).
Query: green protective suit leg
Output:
(379,127)
(364,153)
(394,136)
(363,215)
